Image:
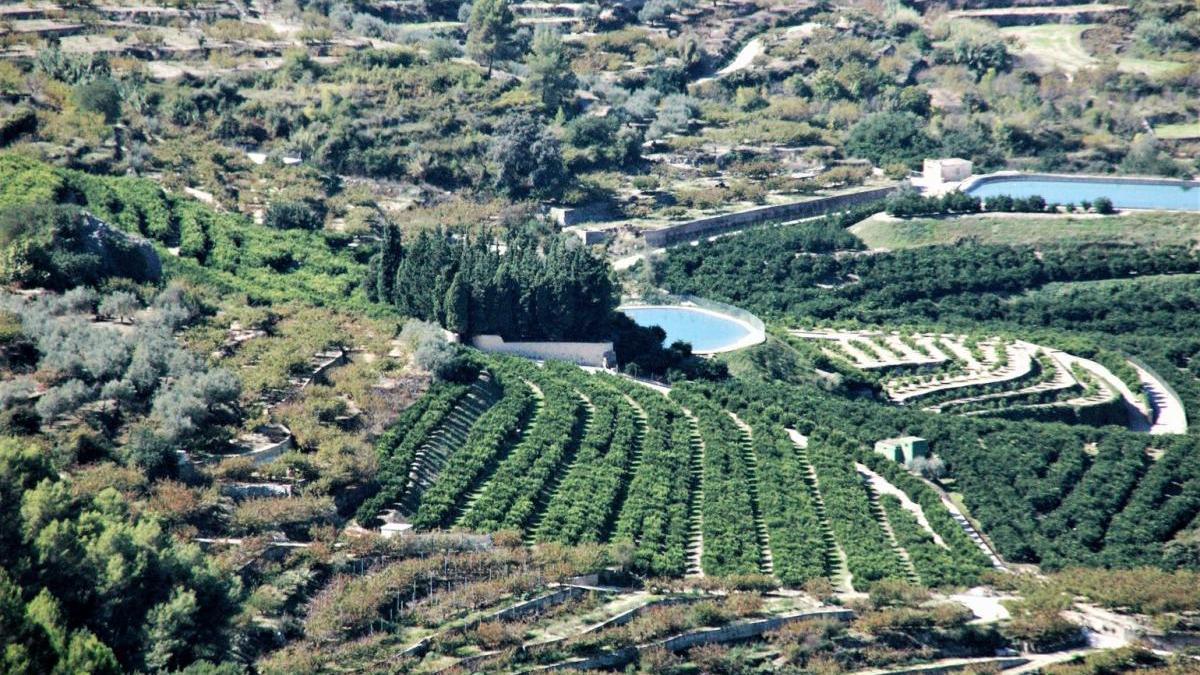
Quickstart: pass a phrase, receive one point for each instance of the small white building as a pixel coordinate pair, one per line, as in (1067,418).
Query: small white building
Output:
(949,170)
(389,530)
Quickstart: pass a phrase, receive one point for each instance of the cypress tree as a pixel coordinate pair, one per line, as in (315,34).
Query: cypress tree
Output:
(458,305)
(386,262)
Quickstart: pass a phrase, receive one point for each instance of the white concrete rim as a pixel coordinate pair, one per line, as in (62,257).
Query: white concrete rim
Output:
(755,335)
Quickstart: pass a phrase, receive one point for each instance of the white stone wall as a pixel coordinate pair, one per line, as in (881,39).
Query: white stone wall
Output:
(599,354)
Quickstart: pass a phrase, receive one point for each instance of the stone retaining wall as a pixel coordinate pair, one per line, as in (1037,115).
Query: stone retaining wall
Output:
(540,603)
(581,214)
(1027,16)
(730,221)
(517,611)
(631,614)
(1001,663)
(731,633)
(241,491)
(270,453)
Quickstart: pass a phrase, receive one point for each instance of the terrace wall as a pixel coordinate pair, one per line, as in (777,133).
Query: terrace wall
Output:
(694,229)
(1037,16)
(731,633)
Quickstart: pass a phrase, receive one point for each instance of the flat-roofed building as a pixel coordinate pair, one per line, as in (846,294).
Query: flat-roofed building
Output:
(950,170)
(903,450)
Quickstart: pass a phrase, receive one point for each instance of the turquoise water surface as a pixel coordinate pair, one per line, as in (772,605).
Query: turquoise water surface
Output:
(1124,194)
(706,332)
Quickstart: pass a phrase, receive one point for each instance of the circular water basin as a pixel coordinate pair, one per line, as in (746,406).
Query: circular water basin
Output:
(707,331)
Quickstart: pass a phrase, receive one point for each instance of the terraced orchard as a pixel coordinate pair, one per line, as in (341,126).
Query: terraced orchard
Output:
(696,486)
(1014,379)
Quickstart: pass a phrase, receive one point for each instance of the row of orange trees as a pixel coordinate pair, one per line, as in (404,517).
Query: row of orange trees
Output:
(654,515)
(491,435)
(582,507)
(511,497)
(967,561)
(869,552)
(730,542)
(797,547)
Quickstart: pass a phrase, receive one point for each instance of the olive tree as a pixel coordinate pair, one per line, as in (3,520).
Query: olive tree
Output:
(119,305)
(526,159)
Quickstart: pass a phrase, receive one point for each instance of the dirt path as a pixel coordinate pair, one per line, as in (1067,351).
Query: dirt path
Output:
(882,486)
(745,57)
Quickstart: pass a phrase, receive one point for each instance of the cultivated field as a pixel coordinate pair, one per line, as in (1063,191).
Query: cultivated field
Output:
(883,232)
(1060,47)
(1187,130)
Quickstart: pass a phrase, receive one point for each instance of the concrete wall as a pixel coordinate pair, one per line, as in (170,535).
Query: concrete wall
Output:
(731,221)
(631,614)
(536,605)
(328,361)
(271,450)
(589,237)
(599,354)
(1035,18)
(581,214)
(943,170)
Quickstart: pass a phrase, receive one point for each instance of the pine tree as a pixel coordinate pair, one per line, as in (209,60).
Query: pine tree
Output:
(550,76)
(489,30)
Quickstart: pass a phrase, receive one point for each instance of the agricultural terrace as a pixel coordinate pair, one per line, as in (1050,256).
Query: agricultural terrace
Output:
(969,376)
(234,435)
(559,455)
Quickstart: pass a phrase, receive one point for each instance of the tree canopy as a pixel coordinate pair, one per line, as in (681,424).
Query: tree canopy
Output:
(520,287)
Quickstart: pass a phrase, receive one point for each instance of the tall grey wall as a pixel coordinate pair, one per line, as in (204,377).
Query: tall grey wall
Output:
(731,221)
